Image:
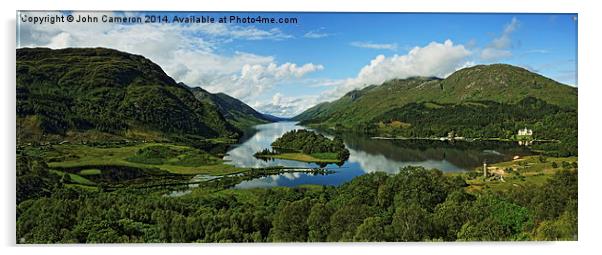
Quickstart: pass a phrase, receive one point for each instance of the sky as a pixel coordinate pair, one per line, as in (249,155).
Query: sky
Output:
(283,69)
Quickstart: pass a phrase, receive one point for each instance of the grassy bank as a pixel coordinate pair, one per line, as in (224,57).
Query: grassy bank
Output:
(310,158)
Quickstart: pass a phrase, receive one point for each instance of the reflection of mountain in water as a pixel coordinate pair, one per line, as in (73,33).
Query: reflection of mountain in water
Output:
(367,155)
(379,163)
(463,155)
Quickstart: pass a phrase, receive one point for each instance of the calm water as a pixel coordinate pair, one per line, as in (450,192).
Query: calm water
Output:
(366,155)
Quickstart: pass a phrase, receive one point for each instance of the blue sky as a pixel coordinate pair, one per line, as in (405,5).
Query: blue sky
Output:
(283,69)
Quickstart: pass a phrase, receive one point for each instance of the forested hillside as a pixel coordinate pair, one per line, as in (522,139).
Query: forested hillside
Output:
(62,93)
(235,111)
(498,83)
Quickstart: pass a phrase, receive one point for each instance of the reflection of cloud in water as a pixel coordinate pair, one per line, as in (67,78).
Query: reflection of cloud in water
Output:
(494,152)
(258,183)
(291,176)
(268,181)
(242,155)
(372,163)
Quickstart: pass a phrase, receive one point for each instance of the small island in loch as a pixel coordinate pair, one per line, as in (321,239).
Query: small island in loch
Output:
(306,146)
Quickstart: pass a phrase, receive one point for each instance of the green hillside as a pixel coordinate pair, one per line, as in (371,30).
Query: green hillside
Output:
(498,83)
(505,84)
(91,93)
(235,111)
(491,101)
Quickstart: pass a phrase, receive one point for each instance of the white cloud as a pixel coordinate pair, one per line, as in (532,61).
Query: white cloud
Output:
(378,46)
(315,34)
(247,33)
(492,54)
(255,79)
(434,59)
(286,106)
(499,47)
(60,41)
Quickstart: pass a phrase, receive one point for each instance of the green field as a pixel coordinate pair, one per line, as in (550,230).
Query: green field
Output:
(175,159)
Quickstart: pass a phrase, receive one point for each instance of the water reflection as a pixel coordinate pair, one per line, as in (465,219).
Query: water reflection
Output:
(367,155)
(263,135)
(379,162)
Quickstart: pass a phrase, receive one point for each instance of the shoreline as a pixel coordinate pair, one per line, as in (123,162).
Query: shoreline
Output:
(302,157)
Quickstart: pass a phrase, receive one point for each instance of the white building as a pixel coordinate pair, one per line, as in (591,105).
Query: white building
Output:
(525,131)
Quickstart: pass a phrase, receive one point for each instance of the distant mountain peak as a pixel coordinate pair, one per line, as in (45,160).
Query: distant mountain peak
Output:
(235,111)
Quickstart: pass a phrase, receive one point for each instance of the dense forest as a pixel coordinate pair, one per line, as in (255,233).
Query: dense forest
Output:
(310,142)
(415,204)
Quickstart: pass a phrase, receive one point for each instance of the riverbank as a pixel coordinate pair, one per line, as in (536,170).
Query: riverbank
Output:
(313,158)
(466,139)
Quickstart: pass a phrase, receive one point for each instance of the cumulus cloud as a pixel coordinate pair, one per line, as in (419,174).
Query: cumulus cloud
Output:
(286,106)
(378,46)
(499,47)
(254,79)
(434,59)
(188,53)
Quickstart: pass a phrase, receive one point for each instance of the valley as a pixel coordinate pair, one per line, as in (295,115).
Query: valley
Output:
(112,149)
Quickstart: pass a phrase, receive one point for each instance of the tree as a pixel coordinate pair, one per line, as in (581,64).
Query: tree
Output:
(411,223)
(450,215)
(290,223)
(492,218)
(426,188)
(318,223)
(563,228)
(372,230)
(345,220)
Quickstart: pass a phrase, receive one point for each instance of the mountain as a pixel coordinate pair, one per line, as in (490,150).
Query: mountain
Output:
(274,118)
(235,111)
(498,83)
(90,92)
(485,101)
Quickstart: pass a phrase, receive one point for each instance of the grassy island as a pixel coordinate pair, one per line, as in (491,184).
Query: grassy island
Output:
(306,146)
